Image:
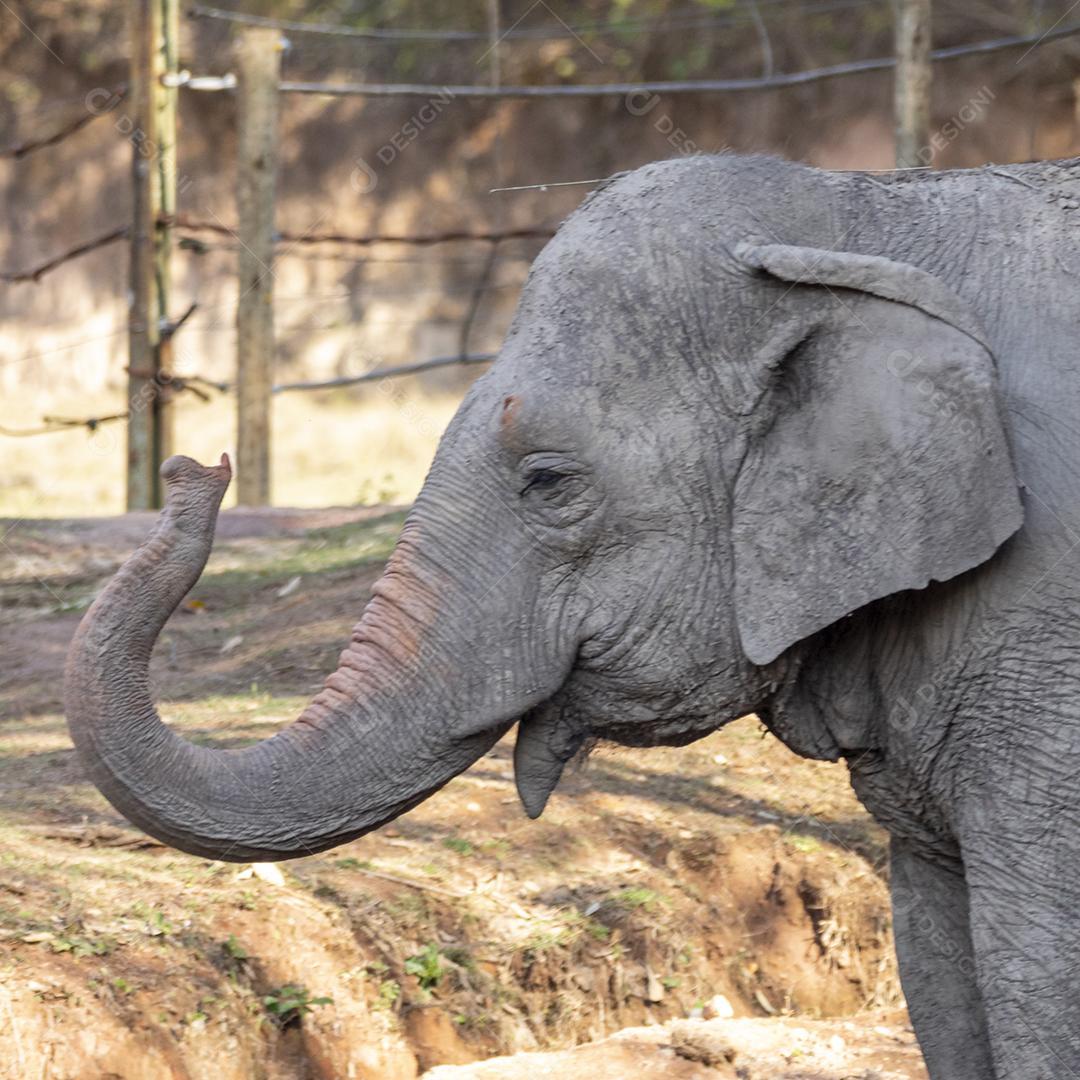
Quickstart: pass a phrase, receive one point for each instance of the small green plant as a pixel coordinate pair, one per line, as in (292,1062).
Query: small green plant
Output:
(81,946)
(456,843)
(291,1003)
(159,925)
(805,844)
(156,924)
(671,982)
(637,896)
(389,992)
(472,1021)
(201,1012)
(427,966)
(233,949)
(123,986)
(349,863)
(597,930)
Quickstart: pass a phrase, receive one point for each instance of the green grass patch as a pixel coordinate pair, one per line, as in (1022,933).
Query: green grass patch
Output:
(320,551)
(456,843)
(637,896)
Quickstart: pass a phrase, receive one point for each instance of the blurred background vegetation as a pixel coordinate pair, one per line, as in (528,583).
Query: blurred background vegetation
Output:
(342,311)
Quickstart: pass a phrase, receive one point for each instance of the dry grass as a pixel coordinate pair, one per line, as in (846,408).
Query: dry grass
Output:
(329,448)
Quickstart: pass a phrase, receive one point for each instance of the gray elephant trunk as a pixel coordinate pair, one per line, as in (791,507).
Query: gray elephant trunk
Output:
(364,750)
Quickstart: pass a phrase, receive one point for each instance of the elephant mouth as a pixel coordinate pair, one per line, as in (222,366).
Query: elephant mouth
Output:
(552,734)
(548,736)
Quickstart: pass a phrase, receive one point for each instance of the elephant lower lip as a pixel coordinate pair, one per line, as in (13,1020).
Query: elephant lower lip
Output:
(546,741)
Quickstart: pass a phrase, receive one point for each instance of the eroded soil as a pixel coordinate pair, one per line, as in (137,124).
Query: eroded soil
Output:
(654,884)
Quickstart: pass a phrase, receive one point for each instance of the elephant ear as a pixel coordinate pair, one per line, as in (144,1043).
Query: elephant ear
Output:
(880,462)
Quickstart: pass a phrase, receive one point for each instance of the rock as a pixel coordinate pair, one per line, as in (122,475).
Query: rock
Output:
(753,1049)
(718,1008)
(268,872)
(696,1041)
(636,1052)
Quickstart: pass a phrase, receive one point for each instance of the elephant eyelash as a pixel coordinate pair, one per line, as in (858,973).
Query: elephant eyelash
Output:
(542,479)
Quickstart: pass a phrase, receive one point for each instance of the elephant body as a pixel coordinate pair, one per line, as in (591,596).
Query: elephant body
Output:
(760,438)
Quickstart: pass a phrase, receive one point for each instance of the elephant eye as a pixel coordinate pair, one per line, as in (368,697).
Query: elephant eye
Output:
(541,479)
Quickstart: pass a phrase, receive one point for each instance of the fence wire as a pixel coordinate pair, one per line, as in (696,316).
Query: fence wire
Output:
(183,224)
(50,425)
(559,32)
(19,150)
(36,273)
(680,86)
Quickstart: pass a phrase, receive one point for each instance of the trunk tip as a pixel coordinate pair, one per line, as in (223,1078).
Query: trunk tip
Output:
(179,469)
(190,487)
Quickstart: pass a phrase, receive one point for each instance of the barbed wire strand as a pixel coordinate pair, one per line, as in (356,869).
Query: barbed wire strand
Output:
(53,424)
(563,31)
(96,339)
(20,150)
(187,224)
(200,248)
(50,425)
(38,272)
(385,373)
(681,86)
(182,224)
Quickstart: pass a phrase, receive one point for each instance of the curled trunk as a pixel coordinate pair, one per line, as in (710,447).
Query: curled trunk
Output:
(368,747)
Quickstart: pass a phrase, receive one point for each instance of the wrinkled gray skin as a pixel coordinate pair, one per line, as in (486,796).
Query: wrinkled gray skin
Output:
(760,438)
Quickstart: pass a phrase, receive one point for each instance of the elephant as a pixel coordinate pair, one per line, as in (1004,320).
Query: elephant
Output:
(761,438)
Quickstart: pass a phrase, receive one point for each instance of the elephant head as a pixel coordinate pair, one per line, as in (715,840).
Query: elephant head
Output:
(701,444)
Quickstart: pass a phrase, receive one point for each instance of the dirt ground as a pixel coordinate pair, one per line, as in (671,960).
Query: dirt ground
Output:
(727,879)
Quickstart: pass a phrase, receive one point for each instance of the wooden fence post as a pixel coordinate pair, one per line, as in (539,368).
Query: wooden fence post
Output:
(259,70)
(913,79)
(154,33)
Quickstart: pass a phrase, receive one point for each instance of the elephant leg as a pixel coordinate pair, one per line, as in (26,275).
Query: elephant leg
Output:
(1024,904)
(937,965)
